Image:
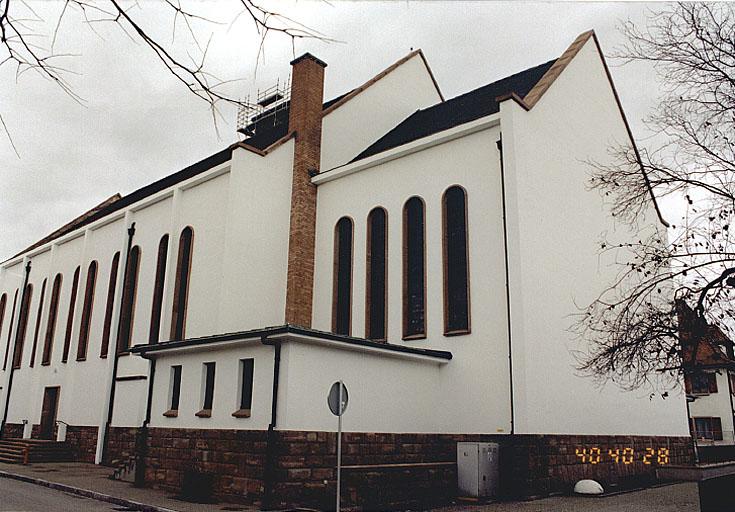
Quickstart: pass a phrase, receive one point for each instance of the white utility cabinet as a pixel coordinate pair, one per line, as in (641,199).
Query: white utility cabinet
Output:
(477,469)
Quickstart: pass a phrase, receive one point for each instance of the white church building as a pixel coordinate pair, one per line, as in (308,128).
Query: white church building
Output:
(428,252)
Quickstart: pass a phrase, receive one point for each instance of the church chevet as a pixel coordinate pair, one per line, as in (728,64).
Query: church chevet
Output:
(427,252)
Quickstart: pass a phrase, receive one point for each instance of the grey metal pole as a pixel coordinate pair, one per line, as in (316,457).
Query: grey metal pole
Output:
(339,447)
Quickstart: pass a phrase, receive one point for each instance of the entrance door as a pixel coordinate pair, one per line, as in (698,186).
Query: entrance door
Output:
(48,412)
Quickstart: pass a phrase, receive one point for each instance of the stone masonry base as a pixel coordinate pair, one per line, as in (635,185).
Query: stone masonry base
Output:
(386,469)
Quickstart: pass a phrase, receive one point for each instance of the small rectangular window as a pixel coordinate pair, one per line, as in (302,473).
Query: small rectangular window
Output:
(208,389)
(174,392)
(245,397)
(701,383)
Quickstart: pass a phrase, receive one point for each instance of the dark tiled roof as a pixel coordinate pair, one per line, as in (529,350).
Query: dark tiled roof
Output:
(272,125)
(459,110)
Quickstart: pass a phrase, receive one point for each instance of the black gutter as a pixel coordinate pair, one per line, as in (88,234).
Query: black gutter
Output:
(116,357)
(15,347)
(270,450)
(144,350)
(507,284)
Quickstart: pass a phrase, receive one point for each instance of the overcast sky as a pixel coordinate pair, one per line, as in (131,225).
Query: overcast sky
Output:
(137,123)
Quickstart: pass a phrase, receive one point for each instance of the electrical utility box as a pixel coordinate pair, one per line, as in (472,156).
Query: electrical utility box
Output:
(477,469)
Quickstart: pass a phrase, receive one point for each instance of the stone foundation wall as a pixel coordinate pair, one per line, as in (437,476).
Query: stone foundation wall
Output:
(13,430)
(384,469)
(120,444)
(236,458)
(84,442)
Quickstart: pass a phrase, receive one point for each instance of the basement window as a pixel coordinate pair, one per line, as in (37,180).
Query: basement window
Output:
(245,389)
(174,392)
(208,390)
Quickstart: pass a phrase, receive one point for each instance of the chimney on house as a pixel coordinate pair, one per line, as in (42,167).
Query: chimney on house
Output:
(305,119)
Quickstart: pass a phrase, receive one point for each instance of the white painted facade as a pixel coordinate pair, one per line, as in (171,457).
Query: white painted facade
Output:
(239,212)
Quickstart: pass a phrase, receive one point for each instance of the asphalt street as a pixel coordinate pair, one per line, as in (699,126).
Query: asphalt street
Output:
(16,496)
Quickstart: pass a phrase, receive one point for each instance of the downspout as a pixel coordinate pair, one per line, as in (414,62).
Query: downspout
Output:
(15,347)
(141,447)
(507,284)
(270,449)
(116,356)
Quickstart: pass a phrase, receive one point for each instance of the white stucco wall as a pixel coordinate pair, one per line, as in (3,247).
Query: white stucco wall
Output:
(473,387)
(227,359)
(555,225)
(378,108)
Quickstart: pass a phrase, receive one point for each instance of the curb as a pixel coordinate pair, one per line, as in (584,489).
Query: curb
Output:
(86,493)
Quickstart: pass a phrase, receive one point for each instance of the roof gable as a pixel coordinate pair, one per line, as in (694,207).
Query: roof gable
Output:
(464,108)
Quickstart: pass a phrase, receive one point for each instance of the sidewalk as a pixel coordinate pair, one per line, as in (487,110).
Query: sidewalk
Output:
(93,478)
(682,497)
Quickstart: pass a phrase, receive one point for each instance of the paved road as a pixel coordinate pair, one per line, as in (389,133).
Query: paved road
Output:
(18,496)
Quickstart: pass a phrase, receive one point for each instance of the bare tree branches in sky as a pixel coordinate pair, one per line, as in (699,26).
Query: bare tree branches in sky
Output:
(691,160)
(28,41)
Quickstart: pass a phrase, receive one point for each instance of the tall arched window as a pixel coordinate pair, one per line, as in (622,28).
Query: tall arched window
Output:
(38,324)
(456,262)
(70,316)
(414,269)
(10,329)
(342,277)
(181,287)
(25,308)
(127,308)
(53,311)
(112,284)
(377,273)
(155,330)
(3,302)
(87,311)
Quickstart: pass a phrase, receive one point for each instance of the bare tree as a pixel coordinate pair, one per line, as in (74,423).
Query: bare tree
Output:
(22,42)
(633,323)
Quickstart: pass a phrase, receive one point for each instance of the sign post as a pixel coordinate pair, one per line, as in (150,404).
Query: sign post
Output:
(337,401)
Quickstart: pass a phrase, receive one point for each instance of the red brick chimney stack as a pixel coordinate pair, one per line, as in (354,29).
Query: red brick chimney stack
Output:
(305,119)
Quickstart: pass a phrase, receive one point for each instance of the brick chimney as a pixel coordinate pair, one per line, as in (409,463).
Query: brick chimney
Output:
(305,119)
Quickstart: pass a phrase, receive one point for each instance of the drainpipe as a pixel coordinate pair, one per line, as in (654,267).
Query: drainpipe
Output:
(141,445)
(15,347)
(507,285)
(116,356)
(270,450)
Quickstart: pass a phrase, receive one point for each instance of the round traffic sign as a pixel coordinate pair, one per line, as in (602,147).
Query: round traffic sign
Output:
(333,398)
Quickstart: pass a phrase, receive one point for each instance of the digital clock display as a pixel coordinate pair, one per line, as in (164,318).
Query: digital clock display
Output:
(627,455)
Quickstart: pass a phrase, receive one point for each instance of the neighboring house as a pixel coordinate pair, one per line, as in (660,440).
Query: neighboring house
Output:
(709,378)
(427,252)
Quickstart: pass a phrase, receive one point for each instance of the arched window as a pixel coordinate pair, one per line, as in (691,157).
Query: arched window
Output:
(70,316)
(53,311)
(181,287)
(127,308)
(109,305)
(376,279)
(456,262)
(25,308)
(10,329)
(38,323)
(87,311)
(154,334)
(342,278)
(414,269)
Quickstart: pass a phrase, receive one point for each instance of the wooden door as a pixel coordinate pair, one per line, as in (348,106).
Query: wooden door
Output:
(48,412)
